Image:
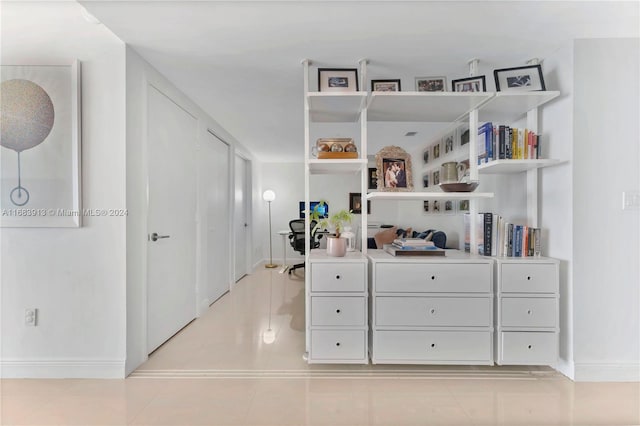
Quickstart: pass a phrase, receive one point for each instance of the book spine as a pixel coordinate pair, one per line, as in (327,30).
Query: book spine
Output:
(517,241)
(525,240)
(537,249)
(537,146)
(510,236)
(488,222)
(501,144)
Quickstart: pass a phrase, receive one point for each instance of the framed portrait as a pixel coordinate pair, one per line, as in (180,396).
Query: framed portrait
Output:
(373,178)
(447,141)
(40,146)
(425,206)
(463,206)
(355,203)
(385,85)
(435,150)
(425,155)
(470,84)
(338,80)
(449,207)
(425,180)
(519,79)
(435,180)
(394,170)
(431,84)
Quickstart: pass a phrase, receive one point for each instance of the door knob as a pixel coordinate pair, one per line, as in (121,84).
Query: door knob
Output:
(156,237)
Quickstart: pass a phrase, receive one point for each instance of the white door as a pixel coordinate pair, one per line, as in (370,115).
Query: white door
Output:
(216,182)
(171,286)
(241,217)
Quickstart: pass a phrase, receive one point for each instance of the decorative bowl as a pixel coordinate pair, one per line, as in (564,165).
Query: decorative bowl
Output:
(459,187)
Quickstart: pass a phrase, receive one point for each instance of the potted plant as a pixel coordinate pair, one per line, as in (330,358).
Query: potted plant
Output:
(336,246)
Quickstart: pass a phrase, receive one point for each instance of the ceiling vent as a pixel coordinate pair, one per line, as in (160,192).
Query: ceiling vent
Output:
(411,133)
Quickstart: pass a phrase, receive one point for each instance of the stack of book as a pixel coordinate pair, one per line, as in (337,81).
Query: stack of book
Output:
(413,246)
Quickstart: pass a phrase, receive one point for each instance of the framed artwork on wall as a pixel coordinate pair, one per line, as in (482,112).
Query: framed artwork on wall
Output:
(338,80)
(40,146)
(519,79)
(470,84)
(385,85)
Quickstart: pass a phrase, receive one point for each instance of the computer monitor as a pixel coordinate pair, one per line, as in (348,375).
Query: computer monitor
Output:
(323,210)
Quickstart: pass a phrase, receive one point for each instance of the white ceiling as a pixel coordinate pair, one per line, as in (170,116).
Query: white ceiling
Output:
(241,61)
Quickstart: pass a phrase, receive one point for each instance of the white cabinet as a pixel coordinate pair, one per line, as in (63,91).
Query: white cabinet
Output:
(337,302)
(431,310)
(527,311)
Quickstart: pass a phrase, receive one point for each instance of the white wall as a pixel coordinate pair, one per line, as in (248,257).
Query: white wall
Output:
(74,277)
(140,74)
(606,239)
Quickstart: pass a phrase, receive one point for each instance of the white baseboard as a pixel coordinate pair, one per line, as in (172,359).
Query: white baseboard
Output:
(62,369)
(620,372)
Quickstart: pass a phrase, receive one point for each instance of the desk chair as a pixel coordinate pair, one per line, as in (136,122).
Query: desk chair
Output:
(296,238)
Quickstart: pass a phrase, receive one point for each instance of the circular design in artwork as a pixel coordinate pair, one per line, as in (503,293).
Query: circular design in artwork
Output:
(27,114)
(19,198)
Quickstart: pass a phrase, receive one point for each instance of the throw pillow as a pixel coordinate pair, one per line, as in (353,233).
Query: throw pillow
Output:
(385,237)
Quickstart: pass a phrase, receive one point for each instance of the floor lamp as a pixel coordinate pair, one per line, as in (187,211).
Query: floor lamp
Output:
(269,196)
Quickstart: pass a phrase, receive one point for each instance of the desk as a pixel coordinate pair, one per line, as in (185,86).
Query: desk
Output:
(285,234)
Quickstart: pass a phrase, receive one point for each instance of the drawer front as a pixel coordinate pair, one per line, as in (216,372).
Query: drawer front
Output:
(433,278)
(337,344)
(433,311)
(338,277)
(528,348)
(469,346)
(338,311)
(528,312)
(529,278)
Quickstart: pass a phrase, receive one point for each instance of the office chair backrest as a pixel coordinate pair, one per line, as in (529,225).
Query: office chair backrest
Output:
(297,235)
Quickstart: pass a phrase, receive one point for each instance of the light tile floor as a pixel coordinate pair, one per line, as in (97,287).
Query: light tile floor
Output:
(218,371)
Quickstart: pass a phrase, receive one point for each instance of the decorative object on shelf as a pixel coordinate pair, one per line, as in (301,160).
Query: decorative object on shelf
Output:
(336,246)
(452,172)
(519,79)
(394,169)
(335,148)
(373,178)
(385,85)
(269,196)
(395,251)
(40,124)
(348,235)
(459,186)
(469,84)
(355,203)
(338,80)
(431,84)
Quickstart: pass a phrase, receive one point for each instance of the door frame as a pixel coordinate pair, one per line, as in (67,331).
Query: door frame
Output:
(248,210)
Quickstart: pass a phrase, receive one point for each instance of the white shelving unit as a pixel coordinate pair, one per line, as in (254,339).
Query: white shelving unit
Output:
(428,195)
(337,167)
(336,107)
(515,166)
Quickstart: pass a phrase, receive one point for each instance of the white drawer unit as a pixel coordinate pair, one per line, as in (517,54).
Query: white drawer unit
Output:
(527,313)
(336,308)
(431,310)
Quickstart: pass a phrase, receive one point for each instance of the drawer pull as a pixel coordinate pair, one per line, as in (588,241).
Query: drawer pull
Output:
(530,347)
(337,343)
(529,311)
(433,345)
(337,277)
(337,311)
(433,277)
(528,278)
(432,311)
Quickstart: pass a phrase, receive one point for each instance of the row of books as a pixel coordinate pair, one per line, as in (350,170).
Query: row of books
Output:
(497,237)
(500,142)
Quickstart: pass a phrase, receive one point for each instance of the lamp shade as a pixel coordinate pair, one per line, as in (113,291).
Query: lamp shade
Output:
(268,195)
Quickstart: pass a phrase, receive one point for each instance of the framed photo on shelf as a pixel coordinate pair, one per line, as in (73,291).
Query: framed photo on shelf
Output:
(519,79)
(425,180)
(449,207)
(385,85)
(469,84)
(448,142)
(373,178)
(355,203)
(394,170)
(431,84)
(435,150)
(463,206)
(338,80)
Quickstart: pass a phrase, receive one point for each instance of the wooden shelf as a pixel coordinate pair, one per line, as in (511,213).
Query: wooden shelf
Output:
(427,195)
(506,107)
(336,107)
(514,166)
(346,166)
(423,106)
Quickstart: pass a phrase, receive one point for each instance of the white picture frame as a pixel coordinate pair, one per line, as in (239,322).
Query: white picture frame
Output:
(40,156)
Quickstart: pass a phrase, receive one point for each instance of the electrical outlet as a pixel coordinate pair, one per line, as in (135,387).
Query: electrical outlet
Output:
(630,200)
(31,317)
